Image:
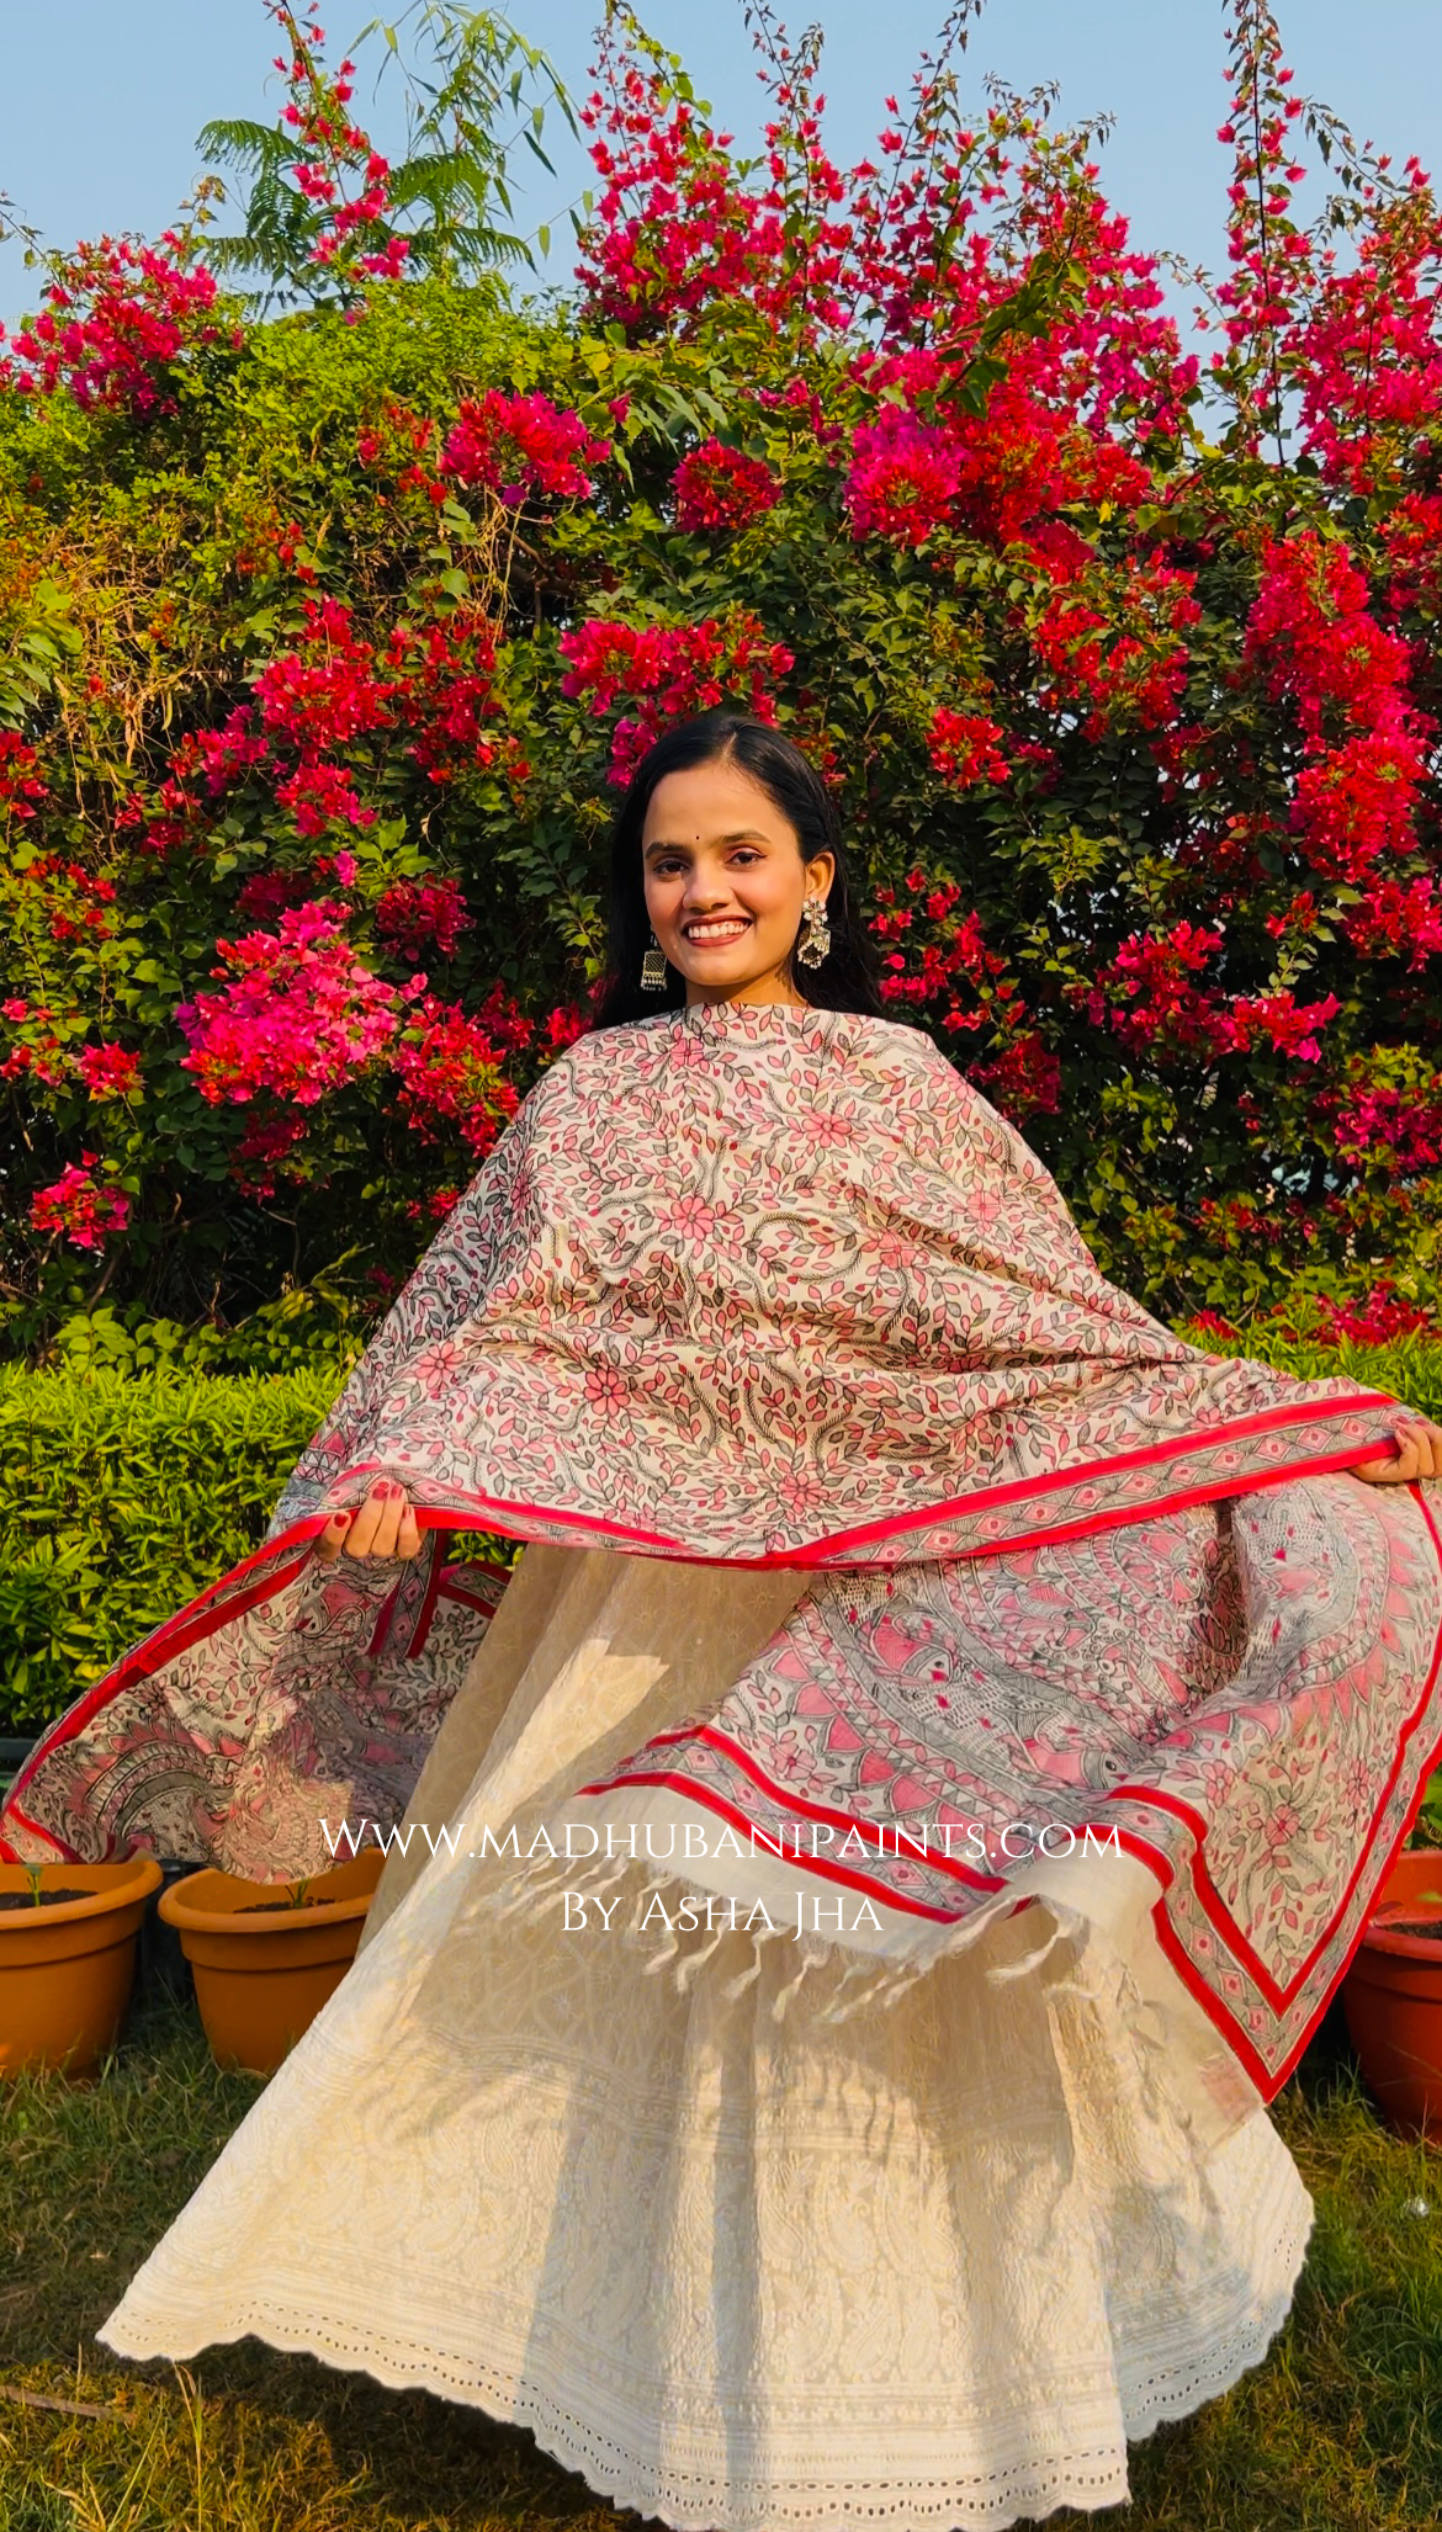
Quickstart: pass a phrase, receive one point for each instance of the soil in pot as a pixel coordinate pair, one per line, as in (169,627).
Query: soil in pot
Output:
(67,1967)
(263,1967)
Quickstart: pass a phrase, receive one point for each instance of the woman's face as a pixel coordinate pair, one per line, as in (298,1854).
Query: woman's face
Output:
(725,884)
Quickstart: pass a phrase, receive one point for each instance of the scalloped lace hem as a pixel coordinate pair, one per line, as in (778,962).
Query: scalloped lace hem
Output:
(986,2499)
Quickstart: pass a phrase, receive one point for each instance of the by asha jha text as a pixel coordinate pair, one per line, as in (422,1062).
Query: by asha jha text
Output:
(814,1915)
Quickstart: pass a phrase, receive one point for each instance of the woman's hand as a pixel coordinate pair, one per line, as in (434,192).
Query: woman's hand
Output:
(385,1525)
(1420,1456)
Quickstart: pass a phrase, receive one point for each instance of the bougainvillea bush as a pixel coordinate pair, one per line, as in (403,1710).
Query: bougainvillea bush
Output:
(329,639)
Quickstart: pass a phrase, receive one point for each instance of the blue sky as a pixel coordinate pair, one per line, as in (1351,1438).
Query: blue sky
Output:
(102,99)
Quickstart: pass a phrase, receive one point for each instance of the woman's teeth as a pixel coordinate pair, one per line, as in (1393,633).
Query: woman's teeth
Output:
(727,931)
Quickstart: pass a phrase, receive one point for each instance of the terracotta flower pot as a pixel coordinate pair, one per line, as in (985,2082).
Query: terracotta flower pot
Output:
(1392,1997)
(66,1971)
(262,1973)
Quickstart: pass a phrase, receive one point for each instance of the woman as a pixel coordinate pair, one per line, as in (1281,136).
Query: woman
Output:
(905,1815)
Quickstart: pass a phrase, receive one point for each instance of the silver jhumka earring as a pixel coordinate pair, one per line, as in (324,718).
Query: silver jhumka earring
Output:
(653,968)
(816,933)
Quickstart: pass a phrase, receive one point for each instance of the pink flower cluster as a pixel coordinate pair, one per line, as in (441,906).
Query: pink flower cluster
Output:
(21,786)
(447,697)
(40,1054)
(339,174)
(77,901)
(1122,661)
(1380,1319)
(1163,1006)
(667,672)
(112,326)
(965,748)
(1316,643)
(414,912)
(109,1071)
(1399,1127)
(904,477)
(513,445)
(335,691)
(963,985)
(1394,917)
(327,692)
(720,487)
(450,1071)
(671,232)
(77,1209)
(297,1014)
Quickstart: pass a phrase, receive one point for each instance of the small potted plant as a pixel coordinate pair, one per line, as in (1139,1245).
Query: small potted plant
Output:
(67,1960)
(1392,1994)
(267,1956)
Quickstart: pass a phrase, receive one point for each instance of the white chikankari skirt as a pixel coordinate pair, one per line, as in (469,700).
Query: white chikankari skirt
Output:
(745,2247)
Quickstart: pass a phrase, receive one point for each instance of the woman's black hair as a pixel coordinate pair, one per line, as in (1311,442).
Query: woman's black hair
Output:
(846,977)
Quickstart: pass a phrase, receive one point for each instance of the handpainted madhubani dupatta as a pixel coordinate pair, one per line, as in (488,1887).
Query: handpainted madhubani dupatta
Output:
(767,1286)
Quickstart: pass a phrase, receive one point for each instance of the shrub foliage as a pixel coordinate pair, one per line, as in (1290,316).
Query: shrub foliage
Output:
(327,637)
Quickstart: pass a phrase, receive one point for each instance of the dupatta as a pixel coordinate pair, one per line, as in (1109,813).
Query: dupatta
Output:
(772,1285)
(746,1284)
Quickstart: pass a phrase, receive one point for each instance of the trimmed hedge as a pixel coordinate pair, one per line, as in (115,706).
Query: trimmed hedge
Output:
(123,1494)
(121,1497)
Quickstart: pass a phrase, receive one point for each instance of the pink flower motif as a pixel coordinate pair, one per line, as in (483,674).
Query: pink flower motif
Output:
(439,1367)
(693,1218)
(1281,1828)
(606,1391)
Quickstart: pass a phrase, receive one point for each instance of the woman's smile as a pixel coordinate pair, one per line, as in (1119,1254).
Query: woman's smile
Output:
(705,930)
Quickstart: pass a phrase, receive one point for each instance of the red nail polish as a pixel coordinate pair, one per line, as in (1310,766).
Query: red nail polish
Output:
(343,1518)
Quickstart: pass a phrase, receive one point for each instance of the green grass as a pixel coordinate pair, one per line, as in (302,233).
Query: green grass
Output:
(1339,2430)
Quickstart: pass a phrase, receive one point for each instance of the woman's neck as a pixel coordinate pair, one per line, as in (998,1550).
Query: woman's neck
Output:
(764,989)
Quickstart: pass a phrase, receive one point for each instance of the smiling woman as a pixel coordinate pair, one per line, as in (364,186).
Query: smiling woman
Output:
(727,888)
(994,1716)
(729,880)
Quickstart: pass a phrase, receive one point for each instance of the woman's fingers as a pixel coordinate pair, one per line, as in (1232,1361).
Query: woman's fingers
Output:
(384,1525)
(365,1524)
(1420,1455)
(332,1538)
(392,1501)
